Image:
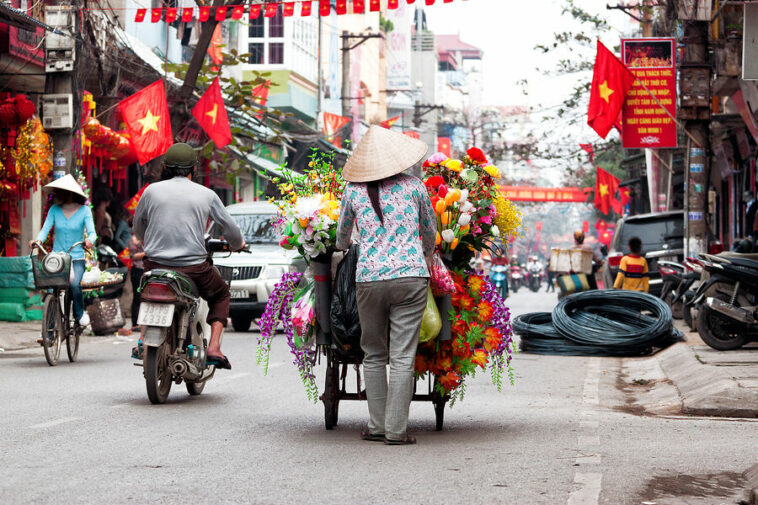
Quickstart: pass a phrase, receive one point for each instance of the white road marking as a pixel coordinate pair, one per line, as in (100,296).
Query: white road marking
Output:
(56,422)
(121,405)
(586,490)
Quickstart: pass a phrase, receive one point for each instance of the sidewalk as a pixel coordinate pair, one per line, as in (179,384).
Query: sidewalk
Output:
(15,336)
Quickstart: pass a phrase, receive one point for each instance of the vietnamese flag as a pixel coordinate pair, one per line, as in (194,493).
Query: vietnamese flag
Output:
(606,186)
(147,121)
(288,9)
(260,96)
(211,114)
(140,16)
(358,6)
(443,146)
(306,8)
(611,81)
(214,48)
(170,14)
(389,122)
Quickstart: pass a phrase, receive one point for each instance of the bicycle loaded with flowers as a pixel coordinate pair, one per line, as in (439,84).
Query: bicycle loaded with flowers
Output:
(472,216)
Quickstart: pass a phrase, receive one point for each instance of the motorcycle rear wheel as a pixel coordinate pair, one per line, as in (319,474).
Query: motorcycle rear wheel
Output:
(719,331)
(157,373)
(195,388)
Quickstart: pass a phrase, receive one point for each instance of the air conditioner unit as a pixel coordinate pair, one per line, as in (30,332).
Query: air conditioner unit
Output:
(57,111)
(60,50)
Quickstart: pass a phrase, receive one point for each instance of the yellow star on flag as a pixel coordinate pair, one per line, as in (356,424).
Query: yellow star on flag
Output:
(212,113)
(603,190)
(149,122)
(605,91)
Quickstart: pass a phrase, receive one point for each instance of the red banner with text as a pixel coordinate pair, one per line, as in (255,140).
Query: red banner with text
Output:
(536,194)
(645,122)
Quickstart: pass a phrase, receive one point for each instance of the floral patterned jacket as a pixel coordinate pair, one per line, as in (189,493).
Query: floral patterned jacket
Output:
(397,248)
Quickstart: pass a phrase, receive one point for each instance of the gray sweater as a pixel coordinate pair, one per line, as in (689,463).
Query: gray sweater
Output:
(171,220)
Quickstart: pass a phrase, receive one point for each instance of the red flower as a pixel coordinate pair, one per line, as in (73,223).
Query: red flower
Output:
(459,327)
(442,190)
(480,358)
(477,155)
(493,339)
(434,181)
(449,381)
(461,348)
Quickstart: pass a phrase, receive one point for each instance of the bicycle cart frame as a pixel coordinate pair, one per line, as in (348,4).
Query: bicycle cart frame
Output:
(335,384)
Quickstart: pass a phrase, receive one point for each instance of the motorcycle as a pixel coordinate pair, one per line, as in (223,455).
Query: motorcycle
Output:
(672,274)
(727,317)
(499,277)
(534,272)
(174,331)
(516,277)
(685,292)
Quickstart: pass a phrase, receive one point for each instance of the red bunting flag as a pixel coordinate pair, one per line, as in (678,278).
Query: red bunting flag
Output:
(411,1)
(374,5)
(255,11)
(288,9)
(412,134)
(389,122)
(444,146)
(238,11)
(358,6)
(220,13)
(587,148)
(429,2)
(392,4)
(170,14)
(306,8)
(260,93)
(147,121)
(606,186)
(611,81)
(211,114)
(140,16)
(205,13)
(333,123)
(324,7)
(155,15)
(271,9)
(341,6)
(187,13)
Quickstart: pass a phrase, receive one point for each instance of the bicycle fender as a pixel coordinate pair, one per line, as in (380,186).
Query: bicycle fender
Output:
(154,336)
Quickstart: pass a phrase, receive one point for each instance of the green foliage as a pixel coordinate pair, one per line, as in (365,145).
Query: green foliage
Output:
(385,24)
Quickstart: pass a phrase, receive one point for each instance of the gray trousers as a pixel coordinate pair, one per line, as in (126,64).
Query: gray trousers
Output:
(395,308)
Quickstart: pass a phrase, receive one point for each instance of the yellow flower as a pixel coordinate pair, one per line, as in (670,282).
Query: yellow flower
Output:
(454,165)
(493,171)
(331,209)
(508,218)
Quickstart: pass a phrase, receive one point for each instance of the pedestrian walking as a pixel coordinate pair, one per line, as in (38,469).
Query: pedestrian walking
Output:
(137,255)
(633,271)
(69,217)
(397,232)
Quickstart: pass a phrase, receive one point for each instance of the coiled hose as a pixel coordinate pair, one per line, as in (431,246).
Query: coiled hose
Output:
(598,323)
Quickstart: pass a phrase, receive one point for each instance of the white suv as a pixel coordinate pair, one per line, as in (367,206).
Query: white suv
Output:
(255,275)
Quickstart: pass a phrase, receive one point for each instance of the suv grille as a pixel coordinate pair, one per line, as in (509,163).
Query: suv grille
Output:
(239,273)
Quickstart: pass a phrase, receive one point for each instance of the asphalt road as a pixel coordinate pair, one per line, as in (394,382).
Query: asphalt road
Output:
(85,433)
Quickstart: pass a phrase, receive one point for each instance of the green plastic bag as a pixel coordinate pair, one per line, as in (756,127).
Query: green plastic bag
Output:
(12,312)
(431,324)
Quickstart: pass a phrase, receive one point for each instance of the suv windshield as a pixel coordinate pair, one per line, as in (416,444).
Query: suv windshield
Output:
(654,233)
(257,228)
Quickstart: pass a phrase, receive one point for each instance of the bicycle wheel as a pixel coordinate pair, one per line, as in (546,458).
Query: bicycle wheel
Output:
(51,330)
(73,331)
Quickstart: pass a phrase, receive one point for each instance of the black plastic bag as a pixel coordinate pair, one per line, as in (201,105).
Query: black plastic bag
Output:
(346,325)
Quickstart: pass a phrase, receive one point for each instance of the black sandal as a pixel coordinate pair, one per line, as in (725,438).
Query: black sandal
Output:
(219,362)
(407,440)
(367,435)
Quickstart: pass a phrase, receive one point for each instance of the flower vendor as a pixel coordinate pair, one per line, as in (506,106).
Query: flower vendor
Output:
(397,229)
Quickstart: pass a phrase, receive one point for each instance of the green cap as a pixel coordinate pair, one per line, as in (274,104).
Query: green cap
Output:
(180,155)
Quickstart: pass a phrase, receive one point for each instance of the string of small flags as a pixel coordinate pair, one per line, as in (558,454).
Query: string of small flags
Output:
(268,9)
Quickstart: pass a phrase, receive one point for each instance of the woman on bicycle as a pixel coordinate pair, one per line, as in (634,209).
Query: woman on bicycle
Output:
(71,218)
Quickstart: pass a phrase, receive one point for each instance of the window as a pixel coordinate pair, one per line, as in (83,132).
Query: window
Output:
(276,52)
(256,28)
(276,24)
(256,53)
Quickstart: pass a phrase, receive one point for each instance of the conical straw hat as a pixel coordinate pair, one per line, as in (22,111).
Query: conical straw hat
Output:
(66,183)
(382,153)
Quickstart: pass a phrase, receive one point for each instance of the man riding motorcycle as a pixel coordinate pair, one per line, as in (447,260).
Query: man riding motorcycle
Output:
(171,220)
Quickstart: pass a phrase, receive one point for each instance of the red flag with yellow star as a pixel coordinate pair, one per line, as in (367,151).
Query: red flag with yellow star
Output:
(147,121)
(211,114)
(606,186)
(611,81)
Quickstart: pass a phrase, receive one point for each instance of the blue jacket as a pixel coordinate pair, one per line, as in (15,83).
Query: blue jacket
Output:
(68,231)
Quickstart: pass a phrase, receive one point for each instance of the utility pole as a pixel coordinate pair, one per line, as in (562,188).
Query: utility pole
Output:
(695,77)
(347,37)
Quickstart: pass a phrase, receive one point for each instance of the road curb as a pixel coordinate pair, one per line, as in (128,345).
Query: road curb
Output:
(706,390)
(751,492)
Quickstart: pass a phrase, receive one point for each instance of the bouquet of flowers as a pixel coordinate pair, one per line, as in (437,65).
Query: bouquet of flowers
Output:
(469,205)
(309,207)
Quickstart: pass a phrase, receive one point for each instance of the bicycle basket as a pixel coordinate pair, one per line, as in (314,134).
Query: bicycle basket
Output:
(52,271)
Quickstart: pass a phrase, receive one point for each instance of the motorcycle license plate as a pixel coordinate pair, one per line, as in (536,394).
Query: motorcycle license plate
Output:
(240,293)
(155,314)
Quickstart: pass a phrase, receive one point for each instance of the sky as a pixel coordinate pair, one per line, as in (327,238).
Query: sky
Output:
(507,31)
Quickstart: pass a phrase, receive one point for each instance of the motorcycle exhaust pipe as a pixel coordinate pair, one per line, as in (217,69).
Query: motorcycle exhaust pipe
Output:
(737,313)
(179,368)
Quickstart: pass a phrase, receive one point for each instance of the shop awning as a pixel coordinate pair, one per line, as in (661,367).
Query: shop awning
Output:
(20,19)
(264,167)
